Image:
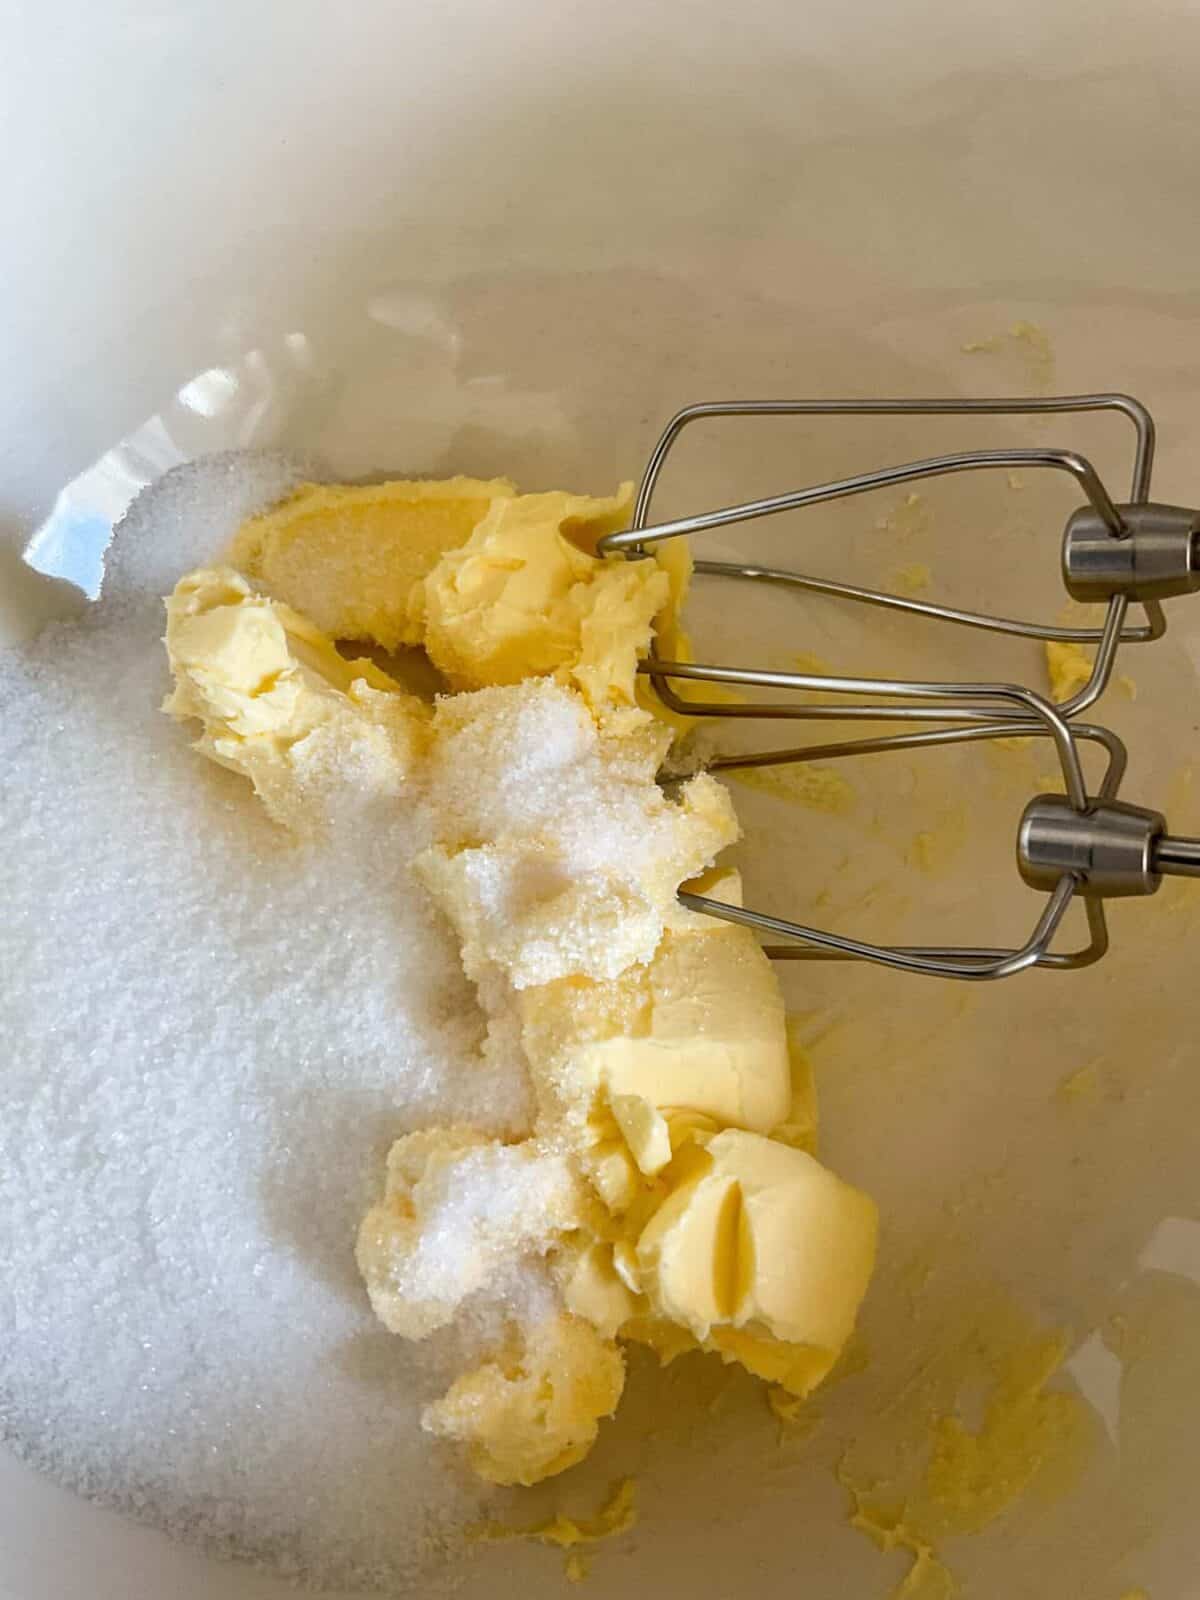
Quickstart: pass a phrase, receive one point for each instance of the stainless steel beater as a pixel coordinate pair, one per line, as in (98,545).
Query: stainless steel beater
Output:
(1120,553)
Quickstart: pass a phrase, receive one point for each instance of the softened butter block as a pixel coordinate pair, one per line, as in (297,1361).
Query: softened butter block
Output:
(595,1291)
(526,595)
(699,1029)
(314,732)
(354,557)
(758,1245)
(457,1207)
(536,1414)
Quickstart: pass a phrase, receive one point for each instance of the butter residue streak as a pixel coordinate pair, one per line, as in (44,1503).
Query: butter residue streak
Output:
(617,1515)
(1027,340)
(666,1183)
(814,787)
(928,1474)
(912,579)
(907,517)
(1068,667)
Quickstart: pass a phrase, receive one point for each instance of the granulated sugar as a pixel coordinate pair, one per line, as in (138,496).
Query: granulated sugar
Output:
(211,1037)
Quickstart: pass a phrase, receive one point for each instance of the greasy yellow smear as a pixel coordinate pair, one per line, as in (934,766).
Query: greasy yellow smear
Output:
(815,788)
(794,1412)
(675,644)
(912,579)
(973,1476)
(1068,667)
(934,850)
(807,661)
(974,1429)
(617,1515)
(1082,1084)
(1027,341)
(1016,741)
(909,517)
(927,1578)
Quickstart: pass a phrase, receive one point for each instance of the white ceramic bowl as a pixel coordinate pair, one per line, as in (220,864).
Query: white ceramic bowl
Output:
(515,239)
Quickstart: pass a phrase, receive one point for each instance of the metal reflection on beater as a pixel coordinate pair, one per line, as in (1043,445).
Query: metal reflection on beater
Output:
(1120,553)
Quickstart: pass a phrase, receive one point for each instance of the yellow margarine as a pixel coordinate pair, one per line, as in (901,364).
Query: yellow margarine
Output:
(594,1289)
(538,1413)
(526,595)
(667,1181)
(525,1197)
(757,1238)
(278,703)
(353,557)
(701,1027)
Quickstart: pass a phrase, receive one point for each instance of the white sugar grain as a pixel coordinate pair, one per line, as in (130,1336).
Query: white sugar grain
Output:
(211,1038)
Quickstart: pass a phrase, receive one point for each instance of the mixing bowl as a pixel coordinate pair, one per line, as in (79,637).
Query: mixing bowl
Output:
(515,239)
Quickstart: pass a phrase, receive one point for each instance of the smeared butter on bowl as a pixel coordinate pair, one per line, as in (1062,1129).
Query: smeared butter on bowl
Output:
(666,1182)
(354,557)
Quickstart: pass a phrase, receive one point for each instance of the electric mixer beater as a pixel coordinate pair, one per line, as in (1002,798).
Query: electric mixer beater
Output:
(1118,553)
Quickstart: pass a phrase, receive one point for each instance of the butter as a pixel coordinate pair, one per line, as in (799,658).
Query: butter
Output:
(645,1131)
(613,1173)
(799,1128)
(668,1182)
(594,1290)
(814,787)
(700,1028)
(456,1208)
(1068,667)
(538,1414)
(758,1242)
(573,1533)
(569,862)
(527,596)
(354,557)
(278,703)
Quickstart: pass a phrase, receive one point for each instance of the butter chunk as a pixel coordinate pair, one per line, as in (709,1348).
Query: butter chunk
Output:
(555,850)
(761,1253)
(528,1418)
(613,1173)
(645,1131)
(699,1029)
(526,595)
(523,909)
(354,557)
(799,1127)
(456,1209)
(313,731)
(594,1290)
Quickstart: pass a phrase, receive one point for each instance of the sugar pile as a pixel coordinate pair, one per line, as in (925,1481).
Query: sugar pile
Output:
(211,1039)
